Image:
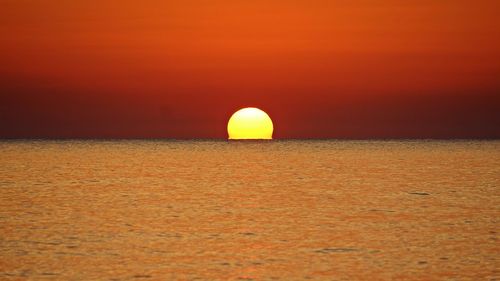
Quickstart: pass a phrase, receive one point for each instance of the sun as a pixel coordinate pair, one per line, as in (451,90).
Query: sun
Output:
(250,124)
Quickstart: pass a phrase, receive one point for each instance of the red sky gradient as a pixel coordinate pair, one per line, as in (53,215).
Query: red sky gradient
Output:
(320,68)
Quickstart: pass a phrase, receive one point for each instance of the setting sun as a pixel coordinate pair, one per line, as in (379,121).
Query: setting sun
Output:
(250,123)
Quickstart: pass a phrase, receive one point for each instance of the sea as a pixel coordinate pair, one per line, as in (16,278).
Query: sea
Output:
(249,210)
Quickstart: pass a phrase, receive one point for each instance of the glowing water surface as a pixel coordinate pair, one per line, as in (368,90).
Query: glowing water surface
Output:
(334,210)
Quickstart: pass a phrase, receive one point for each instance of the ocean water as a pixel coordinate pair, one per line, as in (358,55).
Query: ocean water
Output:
(272,210)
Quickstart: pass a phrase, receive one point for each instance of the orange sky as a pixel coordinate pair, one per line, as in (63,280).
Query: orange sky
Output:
(324,68)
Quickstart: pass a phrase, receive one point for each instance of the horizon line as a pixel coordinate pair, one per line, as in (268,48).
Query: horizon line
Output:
(247,140)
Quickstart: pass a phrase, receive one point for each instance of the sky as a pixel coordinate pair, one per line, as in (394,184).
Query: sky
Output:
(320,68)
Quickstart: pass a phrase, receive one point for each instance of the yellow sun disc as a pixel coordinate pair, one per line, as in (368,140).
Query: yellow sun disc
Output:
(250,123)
